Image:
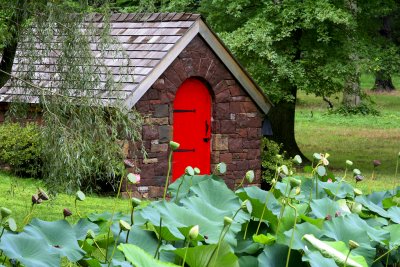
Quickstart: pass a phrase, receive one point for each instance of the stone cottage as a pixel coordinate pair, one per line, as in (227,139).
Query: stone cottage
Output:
(193,91)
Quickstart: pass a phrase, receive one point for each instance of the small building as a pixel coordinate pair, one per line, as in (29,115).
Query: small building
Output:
(193,91)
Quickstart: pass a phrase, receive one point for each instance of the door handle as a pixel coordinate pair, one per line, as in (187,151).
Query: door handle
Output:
(207,139)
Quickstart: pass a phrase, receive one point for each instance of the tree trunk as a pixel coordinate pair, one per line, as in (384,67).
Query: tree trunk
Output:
(352,91)
(8,53)
(282,117)
(383,82)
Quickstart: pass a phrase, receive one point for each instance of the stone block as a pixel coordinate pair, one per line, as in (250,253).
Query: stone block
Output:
(228,127)
(252,144)
(156,121)
(253,153)
(159,147)
(179,69)
(150,132)
(236,90)
(156,191)
(254,164)
(150,161)
(161,111)
(165,133)
(222,111)
(239,156)
(226,157)
(223,96)
(152,94)
(220,142)
(235,144)
(215,157)
(204,66)
(159,84)
(254,133)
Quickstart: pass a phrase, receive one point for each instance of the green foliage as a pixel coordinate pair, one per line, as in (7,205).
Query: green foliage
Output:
(295,229)
(20,147)
(272,157)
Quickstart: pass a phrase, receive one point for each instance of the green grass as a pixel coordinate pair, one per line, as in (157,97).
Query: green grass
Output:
(20,201)
(360,139)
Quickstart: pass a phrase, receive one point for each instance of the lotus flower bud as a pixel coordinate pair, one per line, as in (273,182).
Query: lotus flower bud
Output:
(124,226)
(10,225)
(135,202)
(349,163)
(278,156)
(5,212)
(273,181)
(35,199)
(357,191)
(90,234)
(196,171)
(66,213)
(194,232)
(221,167)
(297,159)
(250,176)
(42,194)
(376,163)
(359,178)
(356,208)
(398,155)
(173,145)
(353,244)
(189,171)
(80,195)
(297,191)
(227,220)
(246,206)
(294,182)
(356,171)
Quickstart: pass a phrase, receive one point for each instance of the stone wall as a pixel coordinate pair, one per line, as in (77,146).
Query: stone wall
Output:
(236,120)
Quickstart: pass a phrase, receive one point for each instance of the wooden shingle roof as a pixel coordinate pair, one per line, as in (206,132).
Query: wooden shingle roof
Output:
(151,41)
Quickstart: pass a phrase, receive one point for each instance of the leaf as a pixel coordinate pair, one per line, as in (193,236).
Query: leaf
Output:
(338,189)
(82,226)
(317,260)
(372,206)
(394,231)
(308,169)
(206,255)
(29,250)
(58,234)
(300,230)
(323,207)
(394,214)
(330,250)
(140,258)
(264,239)
(275,256)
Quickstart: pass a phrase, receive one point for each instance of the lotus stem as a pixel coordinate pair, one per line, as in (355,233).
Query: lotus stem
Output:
(245,230)
(384,254)
(347,257)
(26,219)
(241,183)
(159,240)
(265,206)
(168,173)
(184,257)
(179,187)
(292,237)
(76,208)
(395,176)
(2,232)
(115,245)
(112,217)
(283,207)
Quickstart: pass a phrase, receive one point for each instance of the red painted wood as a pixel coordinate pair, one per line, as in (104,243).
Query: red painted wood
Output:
(192,127)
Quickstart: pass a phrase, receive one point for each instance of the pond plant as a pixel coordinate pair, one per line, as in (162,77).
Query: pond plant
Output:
(311,220)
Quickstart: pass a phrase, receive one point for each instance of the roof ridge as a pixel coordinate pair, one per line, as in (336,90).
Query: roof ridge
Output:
(145,17)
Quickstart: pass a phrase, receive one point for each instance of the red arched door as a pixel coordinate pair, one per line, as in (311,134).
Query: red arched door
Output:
(192,127)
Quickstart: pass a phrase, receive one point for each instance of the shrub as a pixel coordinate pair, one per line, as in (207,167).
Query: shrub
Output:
(20,147)
(270,159)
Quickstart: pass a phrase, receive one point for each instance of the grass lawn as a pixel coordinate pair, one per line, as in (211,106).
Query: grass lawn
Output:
(20,201)
(360,139)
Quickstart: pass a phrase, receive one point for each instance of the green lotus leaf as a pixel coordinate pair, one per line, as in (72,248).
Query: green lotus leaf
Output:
(206,255)
(336,250)
(367,203)
(140,258)
(394,231)
(29,250)
(275,256)
(264,239)
(57,234)
(324,207)
(82,226)
(316,259)
(340,190)
(300,230)
(394,214)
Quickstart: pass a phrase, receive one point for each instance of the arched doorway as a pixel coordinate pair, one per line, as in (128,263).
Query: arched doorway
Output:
(192,127)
